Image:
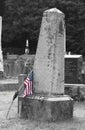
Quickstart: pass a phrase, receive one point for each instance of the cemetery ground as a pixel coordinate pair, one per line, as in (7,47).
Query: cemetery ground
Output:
(13,122)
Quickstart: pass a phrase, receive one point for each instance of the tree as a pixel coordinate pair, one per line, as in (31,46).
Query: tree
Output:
(22,20)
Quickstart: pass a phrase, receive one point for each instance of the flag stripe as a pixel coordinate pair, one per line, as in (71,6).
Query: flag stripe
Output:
(28,83)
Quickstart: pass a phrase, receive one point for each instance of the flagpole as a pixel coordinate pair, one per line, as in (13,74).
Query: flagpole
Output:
(16,93)
(9,109)
(15,96)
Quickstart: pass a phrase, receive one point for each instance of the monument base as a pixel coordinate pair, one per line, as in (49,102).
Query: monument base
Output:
(45,108)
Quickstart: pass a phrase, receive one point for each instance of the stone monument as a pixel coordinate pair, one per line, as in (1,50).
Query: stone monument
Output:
(48,101)
(73,69)
(49,59)
(27,47)
(1,57)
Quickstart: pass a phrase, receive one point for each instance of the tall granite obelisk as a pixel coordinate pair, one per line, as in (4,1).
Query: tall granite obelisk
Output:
(49,59)
(48,102)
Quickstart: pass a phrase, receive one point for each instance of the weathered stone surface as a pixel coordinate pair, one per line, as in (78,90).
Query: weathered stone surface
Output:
(9,84)
(45,108)
(21,79)
(14,67)
(48,101)
(49,59)
(76,91)
(12,57)
(1,57)
(73,69)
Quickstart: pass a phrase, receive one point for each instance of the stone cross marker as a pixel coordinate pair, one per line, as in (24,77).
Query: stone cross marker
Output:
(1,57)
(49,59)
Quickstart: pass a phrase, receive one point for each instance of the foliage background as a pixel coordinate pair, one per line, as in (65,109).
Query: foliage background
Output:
(22,20)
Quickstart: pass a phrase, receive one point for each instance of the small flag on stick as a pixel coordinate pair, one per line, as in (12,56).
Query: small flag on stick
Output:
(28,83)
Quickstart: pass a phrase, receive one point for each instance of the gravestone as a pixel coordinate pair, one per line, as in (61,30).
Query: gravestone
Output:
(1,57)
(73,69)
(27,47)
(49,59)
(83,72)
(12,57)
(48,101)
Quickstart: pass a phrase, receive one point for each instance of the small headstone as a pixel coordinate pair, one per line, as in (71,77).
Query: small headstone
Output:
(73,69)
(12,57)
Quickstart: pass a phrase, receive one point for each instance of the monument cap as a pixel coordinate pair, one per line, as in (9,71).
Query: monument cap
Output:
(54,10)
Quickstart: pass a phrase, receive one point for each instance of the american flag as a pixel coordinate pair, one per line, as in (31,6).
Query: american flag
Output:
(28,83)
